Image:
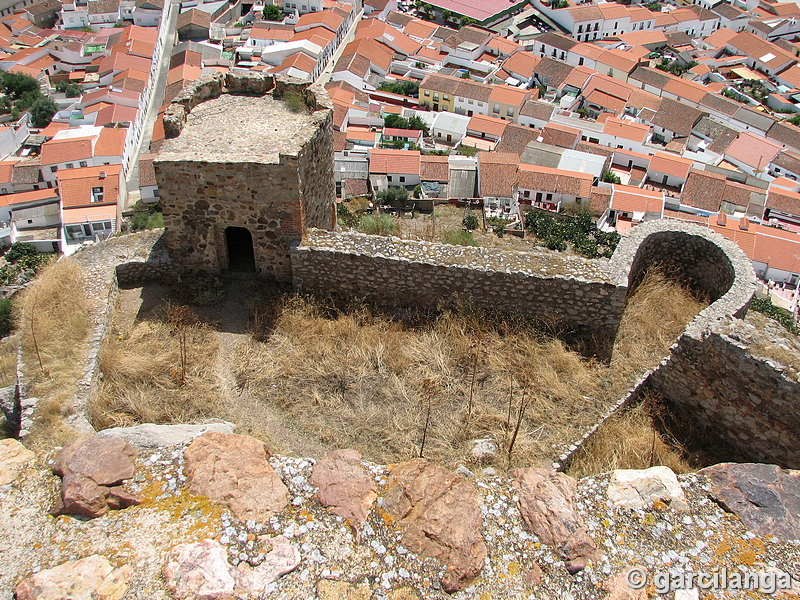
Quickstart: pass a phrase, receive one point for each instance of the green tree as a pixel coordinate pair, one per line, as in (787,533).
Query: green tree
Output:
(467,21)
(16,84)
(272,13)
(395,121)
(42,112)
(20,250)
(418,123)
(653,6)
(609,177)
(795,120)
(394,195)
(470,221)
(447,15)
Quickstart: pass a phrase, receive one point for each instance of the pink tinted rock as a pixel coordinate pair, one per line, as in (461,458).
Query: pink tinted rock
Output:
(90,578)
(547,505)
(233,470)
(440,513)
(344,486)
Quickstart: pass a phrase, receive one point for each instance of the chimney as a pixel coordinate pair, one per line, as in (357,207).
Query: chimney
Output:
(744,223)
(722,220)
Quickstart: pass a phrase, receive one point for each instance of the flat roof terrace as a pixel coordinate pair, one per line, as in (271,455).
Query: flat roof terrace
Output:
(246,129)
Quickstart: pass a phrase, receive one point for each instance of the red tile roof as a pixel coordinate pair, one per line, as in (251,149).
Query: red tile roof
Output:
(64,151)
(75,185)
(625,198)
(394,161)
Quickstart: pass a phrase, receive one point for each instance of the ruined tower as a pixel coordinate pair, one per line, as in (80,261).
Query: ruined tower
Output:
(248,168)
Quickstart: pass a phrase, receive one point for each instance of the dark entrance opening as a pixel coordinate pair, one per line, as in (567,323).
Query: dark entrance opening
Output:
(240,250)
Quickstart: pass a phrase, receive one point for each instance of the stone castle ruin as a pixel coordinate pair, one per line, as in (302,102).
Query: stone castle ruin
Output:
(247,186)
(249,168)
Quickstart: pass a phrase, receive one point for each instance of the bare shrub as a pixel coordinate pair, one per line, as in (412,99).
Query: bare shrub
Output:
(357,378)
(56,312)
(158,372)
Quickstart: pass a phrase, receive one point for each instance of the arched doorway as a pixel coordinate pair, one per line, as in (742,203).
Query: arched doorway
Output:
(240,250)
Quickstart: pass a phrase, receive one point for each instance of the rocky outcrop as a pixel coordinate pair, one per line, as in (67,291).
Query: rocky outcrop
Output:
(201,571)
(344,486)
(441,515)
(148,435)
(92,470)
(91,578)
(13,457)
(640,488)
(765,497)
(547,505)
(234,470)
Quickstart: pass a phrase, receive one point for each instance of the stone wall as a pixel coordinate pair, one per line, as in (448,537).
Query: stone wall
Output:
(256,162)
(569,292)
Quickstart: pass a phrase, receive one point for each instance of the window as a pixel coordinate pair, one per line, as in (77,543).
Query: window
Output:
(510,112)
(402,179)
(97,194)
(83,163)
(445,97)
(549,197)
(580,61)
(70,165)
(426,93)
(53,169)
(470,101)
(389,178)
(435,96)
(496,108)
(580,28)
(596,26)
(304,7)
(480,104)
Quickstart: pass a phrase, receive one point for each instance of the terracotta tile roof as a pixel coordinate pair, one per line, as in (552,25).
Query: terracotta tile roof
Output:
(394,161)
(707,191)
(557,181)
(354,63)
(522,63)
(670,164)
(27,172)
(377,53)
(503,45)
(506,94)
(677,117)
(110,142)
(760,49)
(489,125)
(299,60)
(516,138)
(560,135)
(607,101)
(785,134)
(399,19)
(75,185)
(721,135)
(68,150)
(720,104)
(32,196)
(556,40)
(194,17)
(470,35)
(353,188)
(784,201)
(553,70)
(419,29)
(259,32)
(327,18)
(580,14)
(626,129)
(434,168)
(752,150)
(119,62)
(593,148)
(498,174)
(537,110)
(7,170)
(147,173)
(600,200)
(625,198)
(788,161)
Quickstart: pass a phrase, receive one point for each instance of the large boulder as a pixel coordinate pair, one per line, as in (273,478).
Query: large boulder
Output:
(234,470)
(547,505)
(13,456)
(344,486)
(640,488)
(765,497)
(440,513)
(201,571)
(92,470)
(90,578)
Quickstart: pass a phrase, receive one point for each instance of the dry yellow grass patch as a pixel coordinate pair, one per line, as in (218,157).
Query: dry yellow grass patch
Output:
(654,317)
(8,360)
(629,440)
(359,379)
(54,326)
(143,380)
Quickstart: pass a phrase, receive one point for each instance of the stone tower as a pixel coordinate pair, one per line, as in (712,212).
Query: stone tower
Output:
(248,167)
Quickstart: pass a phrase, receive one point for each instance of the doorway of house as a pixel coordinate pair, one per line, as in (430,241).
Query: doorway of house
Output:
(240,250)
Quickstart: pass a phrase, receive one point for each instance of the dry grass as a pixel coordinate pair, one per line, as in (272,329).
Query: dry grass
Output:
(655,315)
(143,381)
(630,440)
(55,322)
(8,359)
(359,379)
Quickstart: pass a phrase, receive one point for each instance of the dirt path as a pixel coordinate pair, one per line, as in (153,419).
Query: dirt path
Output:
(250,415)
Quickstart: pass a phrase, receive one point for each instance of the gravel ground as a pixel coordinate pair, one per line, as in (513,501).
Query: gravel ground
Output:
(706,538)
